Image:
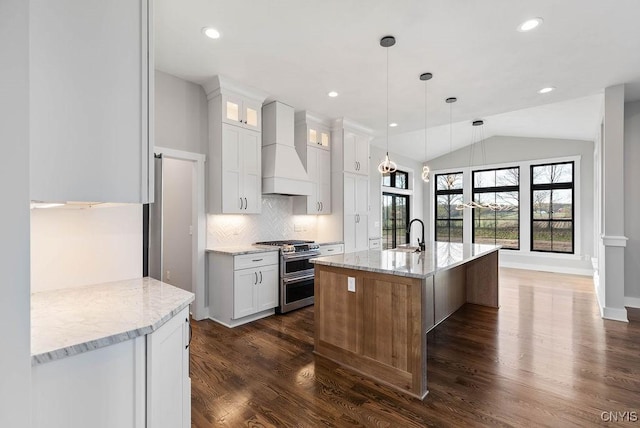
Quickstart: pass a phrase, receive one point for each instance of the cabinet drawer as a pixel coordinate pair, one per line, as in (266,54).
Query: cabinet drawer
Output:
(331,250)
(254,260)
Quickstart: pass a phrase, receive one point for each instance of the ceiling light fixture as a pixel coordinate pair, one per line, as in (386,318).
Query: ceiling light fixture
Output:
(530,24)
(387,166)
(477,134)
(333,94)
(393,124)
(546,90)
(211,32)
(425,169)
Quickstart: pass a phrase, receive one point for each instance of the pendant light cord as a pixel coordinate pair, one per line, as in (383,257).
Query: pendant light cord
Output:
(425,121)
(450,127)
(387,123)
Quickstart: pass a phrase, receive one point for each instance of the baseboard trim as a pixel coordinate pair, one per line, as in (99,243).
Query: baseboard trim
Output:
(596,286)
(615,314)
(547,268)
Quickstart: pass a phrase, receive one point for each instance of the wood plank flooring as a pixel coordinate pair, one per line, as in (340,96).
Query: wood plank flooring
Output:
(545,358)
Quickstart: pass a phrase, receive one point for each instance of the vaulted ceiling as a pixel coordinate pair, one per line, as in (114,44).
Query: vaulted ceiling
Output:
(298,50)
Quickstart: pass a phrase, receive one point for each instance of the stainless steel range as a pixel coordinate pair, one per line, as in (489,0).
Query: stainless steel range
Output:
(296,273)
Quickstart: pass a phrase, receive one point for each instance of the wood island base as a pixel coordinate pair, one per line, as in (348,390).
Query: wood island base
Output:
(380,329)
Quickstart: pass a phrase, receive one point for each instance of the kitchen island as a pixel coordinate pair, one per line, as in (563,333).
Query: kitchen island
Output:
(373,308)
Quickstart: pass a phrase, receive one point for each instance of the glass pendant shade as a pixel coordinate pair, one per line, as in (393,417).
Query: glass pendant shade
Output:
(387,166)
(425,173)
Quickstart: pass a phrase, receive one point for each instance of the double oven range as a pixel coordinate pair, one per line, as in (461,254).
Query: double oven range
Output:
(296,273)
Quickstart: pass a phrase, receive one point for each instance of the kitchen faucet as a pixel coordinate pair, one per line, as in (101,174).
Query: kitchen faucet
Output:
(421,244)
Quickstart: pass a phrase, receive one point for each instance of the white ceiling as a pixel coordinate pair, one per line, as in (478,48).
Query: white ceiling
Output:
(298,50)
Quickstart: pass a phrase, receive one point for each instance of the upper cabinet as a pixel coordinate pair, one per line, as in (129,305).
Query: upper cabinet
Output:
(356,152)
(241,111)
(312,140)
(235,143)
(91,106)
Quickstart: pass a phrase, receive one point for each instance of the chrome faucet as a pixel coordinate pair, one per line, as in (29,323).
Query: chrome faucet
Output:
(421,244)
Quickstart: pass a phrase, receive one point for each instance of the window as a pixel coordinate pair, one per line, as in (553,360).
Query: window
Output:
(395,219)
(552,214)
(448,197)
(397,179)
(499,227)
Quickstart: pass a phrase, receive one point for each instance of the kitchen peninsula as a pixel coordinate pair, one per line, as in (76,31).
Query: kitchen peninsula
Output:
(374,308)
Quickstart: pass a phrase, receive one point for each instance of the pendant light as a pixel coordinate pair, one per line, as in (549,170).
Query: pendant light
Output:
(425,169)
(477,135)
(450,101)
(387,165)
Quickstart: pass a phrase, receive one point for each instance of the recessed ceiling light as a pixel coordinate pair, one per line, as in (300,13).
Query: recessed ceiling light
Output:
(333,94)
(546,90)
(529,24)
(211,32)
(393,124)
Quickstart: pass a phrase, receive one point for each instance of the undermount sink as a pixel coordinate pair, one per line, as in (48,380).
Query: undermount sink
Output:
(407,249)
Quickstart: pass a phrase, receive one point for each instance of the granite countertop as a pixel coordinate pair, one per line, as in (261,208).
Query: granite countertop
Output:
(236,250)
(75,320)
(436,257)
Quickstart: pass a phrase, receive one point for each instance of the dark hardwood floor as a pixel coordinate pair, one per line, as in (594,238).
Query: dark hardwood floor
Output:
(545,358)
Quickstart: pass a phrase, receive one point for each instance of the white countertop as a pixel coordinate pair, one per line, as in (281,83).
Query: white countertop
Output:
(74,320)
(236,250)
(437,256)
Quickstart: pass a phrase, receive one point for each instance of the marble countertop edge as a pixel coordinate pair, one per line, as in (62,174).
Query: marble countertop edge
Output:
(79,348)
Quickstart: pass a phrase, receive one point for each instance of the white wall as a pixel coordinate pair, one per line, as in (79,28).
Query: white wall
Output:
(15,360)
(632,203)
(275,222)
(72,247)
(180,114)
(505,150)
(176,223)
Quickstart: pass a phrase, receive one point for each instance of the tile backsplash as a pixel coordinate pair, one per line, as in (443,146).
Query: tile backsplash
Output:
(275,222)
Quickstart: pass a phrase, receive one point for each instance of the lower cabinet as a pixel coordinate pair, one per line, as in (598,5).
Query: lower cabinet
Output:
(331,249)
(243,288)
(138,383)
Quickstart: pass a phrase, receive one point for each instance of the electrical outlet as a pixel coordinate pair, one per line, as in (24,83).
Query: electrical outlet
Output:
(351,284)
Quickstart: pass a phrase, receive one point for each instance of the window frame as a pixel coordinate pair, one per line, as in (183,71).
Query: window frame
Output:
(553,186)
(408,215)
(392,180)
(447,192)
(494,189)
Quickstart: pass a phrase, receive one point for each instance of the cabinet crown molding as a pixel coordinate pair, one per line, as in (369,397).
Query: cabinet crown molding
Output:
(348,124)
(222,85)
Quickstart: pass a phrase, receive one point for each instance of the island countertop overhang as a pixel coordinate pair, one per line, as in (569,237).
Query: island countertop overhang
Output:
(438,256)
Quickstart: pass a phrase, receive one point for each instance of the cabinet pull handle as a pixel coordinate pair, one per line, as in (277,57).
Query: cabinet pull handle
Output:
(190,333)
(245,203)
(321,206)
(256,274)
(260,277)
(317,206)
(355,165)
(257,260)
(240,203)
(330,250)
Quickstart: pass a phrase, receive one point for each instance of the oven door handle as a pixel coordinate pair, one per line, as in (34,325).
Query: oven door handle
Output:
(298,279)
(301,256)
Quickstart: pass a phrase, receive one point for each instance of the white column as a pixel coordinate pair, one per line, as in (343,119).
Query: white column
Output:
(613,195)
(15,360)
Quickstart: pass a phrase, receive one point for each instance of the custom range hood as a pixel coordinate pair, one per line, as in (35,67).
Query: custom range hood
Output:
(282,169)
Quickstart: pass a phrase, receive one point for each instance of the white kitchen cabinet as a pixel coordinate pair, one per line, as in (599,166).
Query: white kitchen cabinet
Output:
(356,153)
(243,288)
(356,212)
(137,383)
(168,382)
(241,111)
(331,249)
(91,104)
(318,165)
(235,149)
(241,171)
(312,141)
